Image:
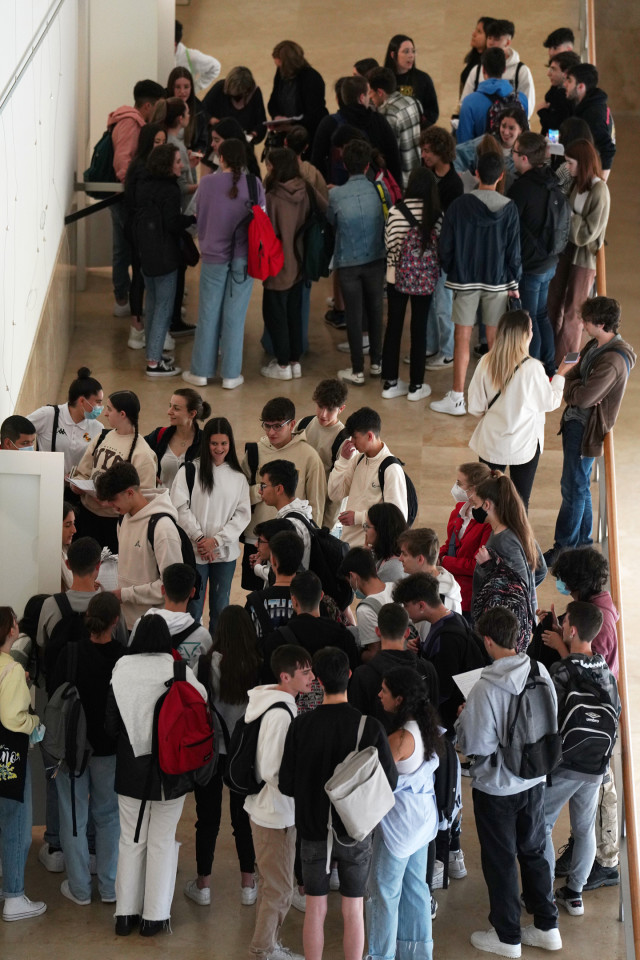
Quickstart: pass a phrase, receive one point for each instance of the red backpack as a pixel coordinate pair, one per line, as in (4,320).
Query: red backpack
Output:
(265,257)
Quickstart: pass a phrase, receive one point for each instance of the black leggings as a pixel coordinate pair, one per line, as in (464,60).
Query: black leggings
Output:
(396,306)
(522,475)
(209,813)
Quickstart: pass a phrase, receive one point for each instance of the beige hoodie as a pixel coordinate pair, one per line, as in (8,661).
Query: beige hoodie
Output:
(139,567)
(312,485)
(115,449)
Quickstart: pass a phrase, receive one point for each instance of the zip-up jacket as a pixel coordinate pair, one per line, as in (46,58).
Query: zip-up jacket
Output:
(480,243)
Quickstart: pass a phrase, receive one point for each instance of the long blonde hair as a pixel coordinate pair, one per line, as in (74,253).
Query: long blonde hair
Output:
(510,347)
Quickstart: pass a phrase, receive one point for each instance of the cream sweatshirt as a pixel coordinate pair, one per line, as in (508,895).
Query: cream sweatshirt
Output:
(139,567)
(357,479)
(15,698)
(115,449)
(223,513)
(312,484)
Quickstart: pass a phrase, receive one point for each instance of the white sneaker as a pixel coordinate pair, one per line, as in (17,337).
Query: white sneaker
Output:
(137,339)
(296,371)
(65,890)
(21,908)
(53,860)
(375,369)
(457,869)
(449,404)
(437,361)
(545,939)
(344,347)
(299,901)
(169,343)
(283,953)
(419,393)
(201,897)
(351,377)
(392,390)
(189,377)
(334,879)
(232,382)
(490,942)
(276,372)
(249,895)
(121,309)
(437,881)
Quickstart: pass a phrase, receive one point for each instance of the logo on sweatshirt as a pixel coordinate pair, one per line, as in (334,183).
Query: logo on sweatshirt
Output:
(137,544)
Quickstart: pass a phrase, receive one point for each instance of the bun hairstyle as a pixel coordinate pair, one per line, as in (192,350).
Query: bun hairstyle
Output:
(102,612)
(194,402)
(126,401)
(83,386)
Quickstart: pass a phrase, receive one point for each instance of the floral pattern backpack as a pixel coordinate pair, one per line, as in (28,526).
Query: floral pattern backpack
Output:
(417,270)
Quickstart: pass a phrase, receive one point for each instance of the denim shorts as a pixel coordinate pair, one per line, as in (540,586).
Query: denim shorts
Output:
(353,866)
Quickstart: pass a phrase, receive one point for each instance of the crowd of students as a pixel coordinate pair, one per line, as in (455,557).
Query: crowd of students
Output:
(321,513)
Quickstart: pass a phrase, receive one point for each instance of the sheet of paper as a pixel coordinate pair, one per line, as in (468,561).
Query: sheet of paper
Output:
(108,573)
(465,682)
(279,122)
(86,486)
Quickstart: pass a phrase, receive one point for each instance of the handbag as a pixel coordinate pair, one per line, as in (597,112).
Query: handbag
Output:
(14,749)
(188,250)
(360,792)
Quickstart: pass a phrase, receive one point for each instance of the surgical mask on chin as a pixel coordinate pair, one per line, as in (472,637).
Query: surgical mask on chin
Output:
(479,514)
(458,493)
(359,594)
(561,587)
(94,413)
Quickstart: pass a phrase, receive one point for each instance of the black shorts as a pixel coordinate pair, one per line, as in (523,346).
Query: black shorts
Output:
(353,866)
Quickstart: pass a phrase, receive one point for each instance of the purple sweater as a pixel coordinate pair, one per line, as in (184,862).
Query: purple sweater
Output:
(218,216)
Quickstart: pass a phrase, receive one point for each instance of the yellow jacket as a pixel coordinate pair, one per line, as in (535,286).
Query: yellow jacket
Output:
(15,698)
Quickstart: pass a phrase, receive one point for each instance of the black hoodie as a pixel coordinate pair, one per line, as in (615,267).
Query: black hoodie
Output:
(532,192)
(374,126)
(364,686)
(595,110)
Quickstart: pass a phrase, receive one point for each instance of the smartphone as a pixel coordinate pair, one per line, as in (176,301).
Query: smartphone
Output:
(572,358)
(554,136)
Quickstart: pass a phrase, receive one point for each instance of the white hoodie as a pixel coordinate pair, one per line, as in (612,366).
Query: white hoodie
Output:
(139,567)
(270,808)
(195,644)
(223,513)
(302,507)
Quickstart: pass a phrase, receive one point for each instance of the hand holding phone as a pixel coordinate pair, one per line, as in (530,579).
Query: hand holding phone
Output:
(554,136)
(572,358)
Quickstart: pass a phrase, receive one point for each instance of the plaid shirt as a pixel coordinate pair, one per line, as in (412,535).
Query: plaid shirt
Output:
(403,115)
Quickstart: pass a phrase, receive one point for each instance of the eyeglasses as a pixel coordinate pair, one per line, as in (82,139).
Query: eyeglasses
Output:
(263,486)
(367,526)
(518,153)
(262,541)
(274,426)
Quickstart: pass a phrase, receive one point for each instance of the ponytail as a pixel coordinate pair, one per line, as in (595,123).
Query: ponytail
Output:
(102,612)
(234,154)
(499,489)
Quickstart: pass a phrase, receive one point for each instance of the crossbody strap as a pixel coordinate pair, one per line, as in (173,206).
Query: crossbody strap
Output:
(513,375)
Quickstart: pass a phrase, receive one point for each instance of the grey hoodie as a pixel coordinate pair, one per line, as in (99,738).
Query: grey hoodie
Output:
(482,725)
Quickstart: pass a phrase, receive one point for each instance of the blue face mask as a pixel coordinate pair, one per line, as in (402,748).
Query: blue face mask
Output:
(561,587)
(94,413)
(360,595)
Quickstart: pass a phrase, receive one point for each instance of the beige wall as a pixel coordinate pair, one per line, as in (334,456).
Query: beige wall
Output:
(617,44)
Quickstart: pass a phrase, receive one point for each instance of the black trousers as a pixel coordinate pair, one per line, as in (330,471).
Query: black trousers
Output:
(209,813)
(511,827)
(282,315)
(102,529)
(522,474)
(397,306)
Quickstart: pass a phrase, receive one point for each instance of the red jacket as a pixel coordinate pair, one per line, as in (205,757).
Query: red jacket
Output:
(463,563)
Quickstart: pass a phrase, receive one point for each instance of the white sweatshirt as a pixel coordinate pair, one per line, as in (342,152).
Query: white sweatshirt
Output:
(302,507)
(270,808)
(223,513)
(525,80)
(357,479)
(193,646)
(514,426)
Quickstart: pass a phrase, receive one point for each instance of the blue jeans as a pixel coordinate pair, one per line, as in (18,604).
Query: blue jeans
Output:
(398,907)
(220,577)
(95,787)
(225,291)
(439,322)
(120,252)
(574,523)
(161,292)
(534,289)
(582,798)
(15,839)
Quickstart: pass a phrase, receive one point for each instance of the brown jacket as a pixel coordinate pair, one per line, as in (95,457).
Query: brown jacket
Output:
(603,391)
(588,228)
(288,207)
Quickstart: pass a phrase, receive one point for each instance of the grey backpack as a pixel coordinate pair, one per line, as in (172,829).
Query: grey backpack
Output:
(533,745)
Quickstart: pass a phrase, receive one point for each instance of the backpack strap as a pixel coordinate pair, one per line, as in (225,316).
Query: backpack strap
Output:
(153,523)
(101,437)
(309,524)
(383,199)
(376,605)
(518,365)
(252,188)
(477,78)
(251,450)
(288,634)
(190,475)
(407,214)
(178,638)
(387,462)
(54,429)
(64,606)
(517,75)
(304,423)
(180,670)
(337,444)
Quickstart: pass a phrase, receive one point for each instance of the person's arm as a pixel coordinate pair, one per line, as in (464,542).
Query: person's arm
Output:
(182,502)
(396,229)
(146,463)
(312,97)
(602,138)
(321,147)
(167,548)
(341,476)
(232,529)
(124,137)
(112,721)
(602,376)
(429,100)
(513,256)
(367,620)
(357,692)
(466,125)
(526,87)
(271,740)
(545,395)
(390,150)
(475,727)
(588,227)
(15,700)
(206,69)
(446,243)
(258,117)
(315,487)
(478,399)
(465,566)
(287,772)
(376,737)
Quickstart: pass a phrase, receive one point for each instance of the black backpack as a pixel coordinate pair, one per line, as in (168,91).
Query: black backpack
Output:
(498,104)
(448,799)
(188,556)
(251,450)
(101,170)
(326,555)
(587,722)
(557,221)
(412,496)
(339,438)
(240,775)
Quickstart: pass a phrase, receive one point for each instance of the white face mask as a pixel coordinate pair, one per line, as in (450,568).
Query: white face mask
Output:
(458,493)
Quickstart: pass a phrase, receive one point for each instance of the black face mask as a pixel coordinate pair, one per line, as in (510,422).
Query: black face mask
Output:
(479,514)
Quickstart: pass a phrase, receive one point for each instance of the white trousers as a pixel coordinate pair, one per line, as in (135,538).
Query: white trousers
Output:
(146,876)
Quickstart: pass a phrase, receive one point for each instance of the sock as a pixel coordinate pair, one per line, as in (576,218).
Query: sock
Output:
(457,396)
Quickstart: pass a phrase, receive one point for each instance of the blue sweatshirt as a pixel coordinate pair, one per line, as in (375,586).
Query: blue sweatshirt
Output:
(475,107)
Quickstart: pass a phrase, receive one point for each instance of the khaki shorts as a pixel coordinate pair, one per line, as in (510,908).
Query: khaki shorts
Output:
(466,303)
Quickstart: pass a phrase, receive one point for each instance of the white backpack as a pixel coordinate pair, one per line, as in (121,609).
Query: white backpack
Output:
(359,791)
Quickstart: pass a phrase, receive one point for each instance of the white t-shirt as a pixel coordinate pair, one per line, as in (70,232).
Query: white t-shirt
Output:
(72,438)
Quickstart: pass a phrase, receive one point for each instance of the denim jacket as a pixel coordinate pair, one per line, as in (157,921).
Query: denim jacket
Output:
(355,210)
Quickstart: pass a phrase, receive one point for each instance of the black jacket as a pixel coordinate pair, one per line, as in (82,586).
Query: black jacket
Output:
(558,110)
(251,117)
(159,445)
(450,187)
(418,84)
(312,633)
(595,110)
(531,194)
(374,126)
(158,224)
(480,247)
(364,686)
(309,96)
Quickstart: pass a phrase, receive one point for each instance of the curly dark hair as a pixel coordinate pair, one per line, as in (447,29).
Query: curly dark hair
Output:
(583,570)
(405,682)
(160,160)
(439,142)
(330,393)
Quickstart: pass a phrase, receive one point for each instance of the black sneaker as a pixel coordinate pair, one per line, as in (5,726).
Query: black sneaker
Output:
(165,368)
(149,928)
(570,900)
(434,907)
(125,924)
(602,877)
(335,319)
(480,350)
(182,329)
(563,863)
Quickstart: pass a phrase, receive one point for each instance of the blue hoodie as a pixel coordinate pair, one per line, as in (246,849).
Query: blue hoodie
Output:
(475,107)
